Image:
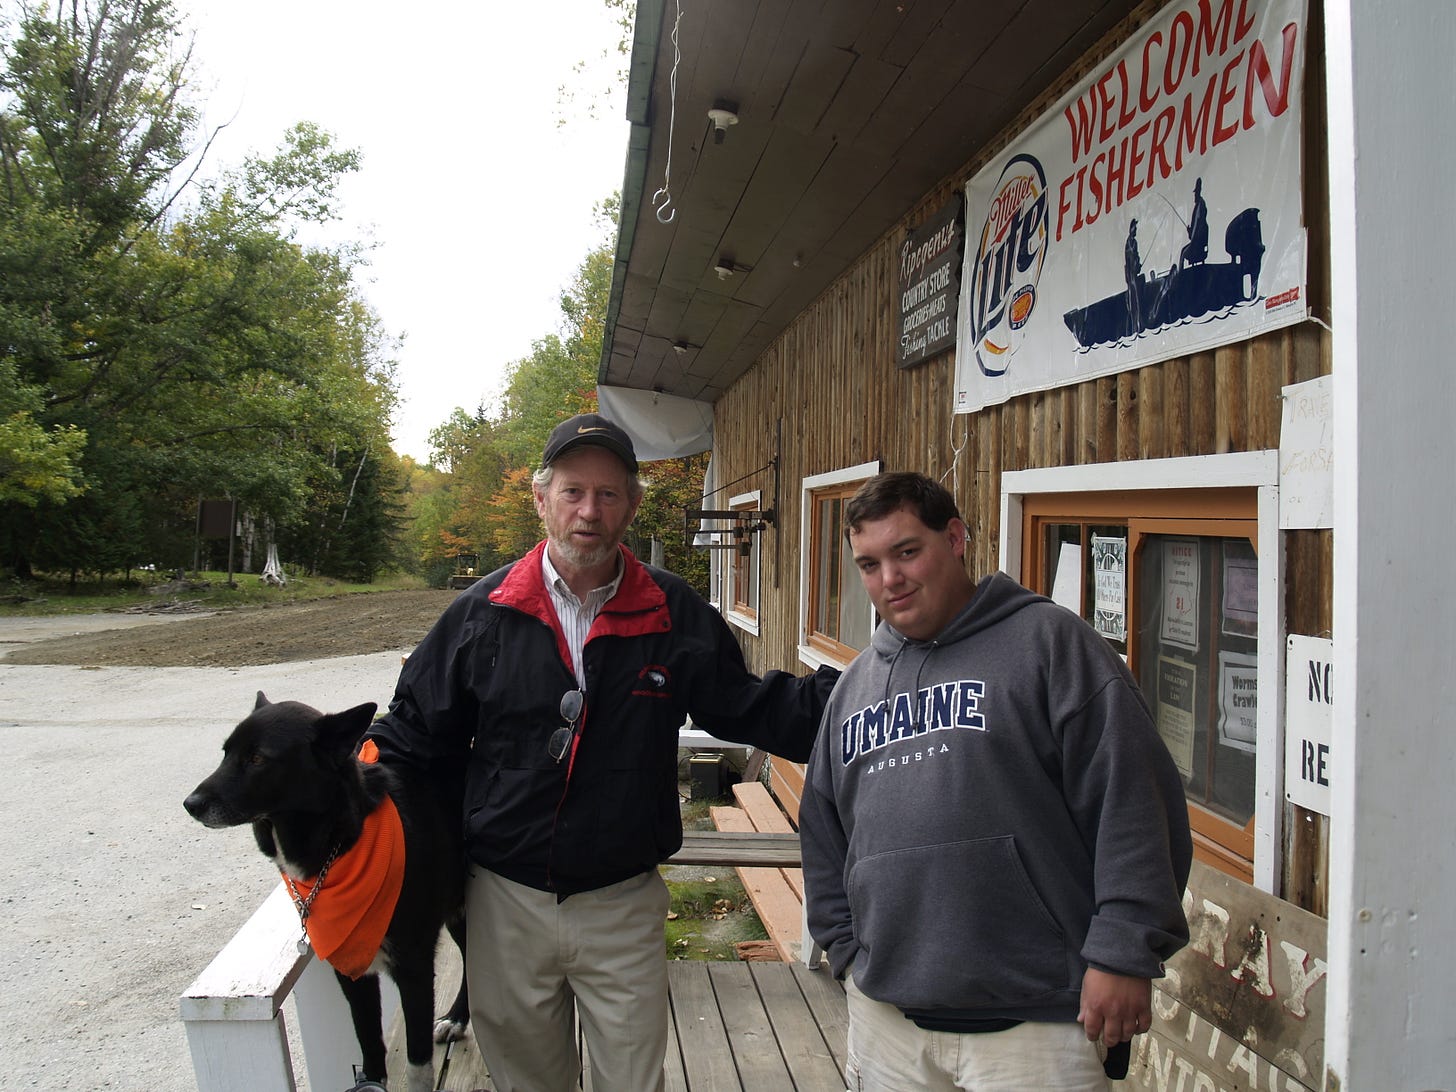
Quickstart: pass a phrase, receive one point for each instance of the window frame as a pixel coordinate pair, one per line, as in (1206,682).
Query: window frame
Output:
(817,650)
(742,615)
(1171,489)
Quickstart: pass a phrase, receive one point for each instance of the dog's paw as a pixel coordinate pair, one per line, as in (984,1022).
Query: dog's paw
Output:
(419,1078)
(449,1031)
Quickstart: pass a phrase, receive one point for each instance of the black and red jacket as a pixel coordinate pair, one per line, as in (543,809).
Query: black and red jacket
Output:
(482,693)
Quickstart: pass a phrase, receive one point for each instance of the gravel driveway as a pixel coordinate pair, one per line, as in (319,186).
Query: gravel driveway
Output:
(113,898)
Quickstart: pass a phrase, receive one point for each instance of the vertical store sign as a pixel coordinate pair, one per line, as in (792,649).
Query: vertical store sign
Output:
(1308,719)
(930,285)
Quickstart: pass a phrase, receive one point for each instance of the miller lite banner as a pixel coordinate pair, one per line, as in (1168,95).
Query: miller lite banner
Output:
(1155,211)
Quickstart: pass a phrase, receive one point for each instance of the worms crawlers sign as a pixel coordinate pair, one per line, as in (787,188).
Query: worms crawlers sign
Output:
(1154,211)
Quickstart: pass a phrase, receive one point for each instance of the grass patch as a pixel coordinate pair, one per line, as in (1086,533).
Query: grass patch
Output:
(707,917)
(209,591)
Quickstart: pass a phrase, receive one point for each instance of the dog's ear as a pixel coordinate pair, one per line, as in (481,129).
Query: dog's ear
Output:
(341,732)
(262,701)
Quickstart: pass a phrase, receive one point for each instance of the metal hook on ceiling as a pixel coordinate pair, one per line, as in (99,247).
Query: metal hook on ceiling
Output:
(662,199)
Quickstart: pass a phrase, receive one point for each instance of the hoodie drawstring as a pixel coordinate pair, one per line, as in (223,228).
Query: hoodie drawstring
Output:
(919,672)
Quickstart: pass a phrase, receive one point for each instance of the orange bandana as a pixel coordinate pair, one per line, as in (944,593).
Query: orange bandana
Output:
(347,921)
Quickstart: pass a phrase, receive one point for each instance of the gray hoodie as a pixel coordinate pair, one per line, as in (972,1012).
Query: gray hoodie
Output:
(989,812)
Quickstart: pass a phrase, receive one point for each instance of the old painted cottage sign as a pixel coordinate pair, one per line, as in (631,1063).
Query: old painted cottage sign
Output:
(1153,212)
(930,285)
(1242,1008)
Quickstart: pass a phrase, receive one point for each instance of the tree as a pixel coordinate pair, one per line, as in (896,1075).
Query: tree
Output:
(353,529)
(674,486)
(35,465)
(150,352)
(99,122)
(489,460)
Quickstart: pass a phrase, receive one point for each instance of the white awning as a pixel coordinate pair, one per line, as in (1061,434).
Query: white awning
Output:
(662,426)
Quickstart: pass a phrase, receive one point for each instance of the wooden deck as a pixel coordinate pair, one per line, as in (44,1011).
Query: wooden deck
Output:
(756,1027)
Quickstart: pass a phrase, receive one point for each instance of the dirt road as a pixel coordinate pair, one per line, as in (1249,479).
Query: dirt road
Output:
(112,899)
(349,625)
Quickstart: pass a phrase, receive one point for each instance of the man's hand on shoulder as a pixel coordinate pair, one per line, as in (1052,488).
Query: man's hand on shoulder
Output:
(1115,1007)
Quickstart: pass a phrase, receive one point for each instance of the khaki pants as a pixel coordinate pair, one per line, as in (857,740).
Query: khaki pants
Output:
(529,958)
(888,1053)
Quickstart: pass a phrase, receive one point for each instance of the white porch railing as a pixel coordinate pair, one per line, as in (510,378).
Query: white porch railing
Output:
(233,1011)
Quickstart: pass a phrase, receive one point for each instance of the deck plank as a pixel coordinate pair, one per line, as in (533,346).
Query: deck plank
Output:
(824,995)
(769,849)
(707,1054)
(676,1079)
(779,907)
(750,1035)
(806,1053)
(732,1026)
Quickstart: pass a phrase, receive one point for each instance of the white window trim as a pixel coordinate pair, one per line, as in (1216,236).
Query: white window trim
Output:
(809,655)
(715,572)
(1256,469)
(747,623)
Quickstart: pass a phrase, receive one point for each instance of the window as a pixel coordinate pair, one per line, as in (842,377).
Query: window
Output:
(742,565)
(835,610)
(1178,582)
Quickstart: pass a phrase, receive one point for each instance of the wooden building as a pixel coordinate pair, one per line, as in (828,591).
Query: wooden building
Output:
(792,160)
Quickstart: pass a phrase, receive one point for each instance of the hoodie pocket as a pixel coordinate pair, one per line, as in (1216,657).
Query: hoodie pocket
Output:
(957,925)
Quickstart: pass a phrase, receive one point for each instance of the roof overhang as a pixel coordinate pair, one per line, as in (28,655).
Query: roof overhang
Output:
(849,112)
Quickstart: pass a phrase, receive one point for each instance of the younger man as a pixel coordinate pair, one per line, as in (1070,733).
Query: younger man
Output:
(995,838)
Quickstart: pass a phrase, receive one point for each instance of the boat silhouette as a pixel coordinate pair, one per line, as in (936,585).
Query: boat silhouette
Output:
(1184,292)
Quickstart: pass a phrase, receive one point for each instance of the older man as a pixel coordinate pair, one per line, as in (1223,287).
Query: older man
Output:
(558,684)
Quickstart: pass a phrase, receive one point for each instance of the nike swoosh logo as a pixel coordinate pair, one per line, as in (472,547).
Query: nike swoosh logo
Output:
(593,428)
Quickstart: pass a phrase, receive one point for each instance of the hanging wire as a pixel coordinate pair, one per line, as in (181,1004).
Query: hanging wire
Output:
(662,199)
(954,470)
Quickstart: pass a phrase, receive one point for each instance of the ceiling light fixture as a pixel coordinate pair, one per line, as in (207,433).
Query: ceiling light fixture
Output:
(722,115)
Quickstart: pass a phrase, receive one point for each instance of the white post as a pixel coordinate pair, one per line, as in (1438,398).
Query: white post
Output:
(325,1028)
(1392,960)
(241,1055)
(233,1010)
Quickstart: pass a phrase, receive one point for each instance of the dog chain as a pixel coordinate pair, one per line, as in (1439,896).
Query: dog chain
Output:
(302,904)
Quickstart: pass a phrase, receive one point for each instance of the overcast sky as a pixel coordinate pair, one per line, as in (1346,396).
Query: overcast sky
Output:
(479,202)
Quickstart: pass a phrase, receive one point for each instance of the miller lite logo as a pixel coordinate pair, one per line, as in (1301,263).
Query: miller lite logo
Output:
(1008,262)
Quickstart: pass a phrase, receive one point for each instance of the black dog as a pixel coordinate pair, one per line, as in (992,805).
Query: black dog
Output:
(293,773)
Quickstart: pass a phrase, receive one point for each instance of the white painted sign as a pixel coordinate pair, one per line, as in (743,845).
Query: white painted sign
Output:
(1307,456)
(1308,722)
(1154,211)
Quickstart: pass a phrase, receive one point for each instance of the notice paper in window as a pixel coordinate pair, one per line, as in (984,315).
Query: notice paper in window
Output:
(1240,589)
(1238,687)
(1109,571)
(1067,585)
(1180,593)
(1176,681)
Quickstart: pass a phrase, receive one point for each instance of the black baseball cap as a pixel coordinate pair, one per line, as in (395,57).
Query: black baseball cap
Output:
(589,428)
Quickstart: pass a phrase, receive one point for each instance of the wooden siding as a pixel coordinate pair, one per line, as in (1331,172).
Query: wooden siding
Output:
(827,395)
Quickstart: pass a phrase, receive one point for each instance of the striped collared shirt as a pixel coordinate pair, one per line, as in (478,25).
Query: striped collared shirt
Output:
(575,615)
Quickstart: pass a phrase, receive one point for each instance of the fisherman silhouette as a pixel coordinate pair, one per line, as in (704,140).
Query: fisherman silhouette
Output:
(1132,267)
(1197,249)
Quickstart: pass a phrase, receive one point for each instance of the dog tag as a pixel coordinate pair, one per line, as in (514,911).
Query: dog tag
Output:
(303,944)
